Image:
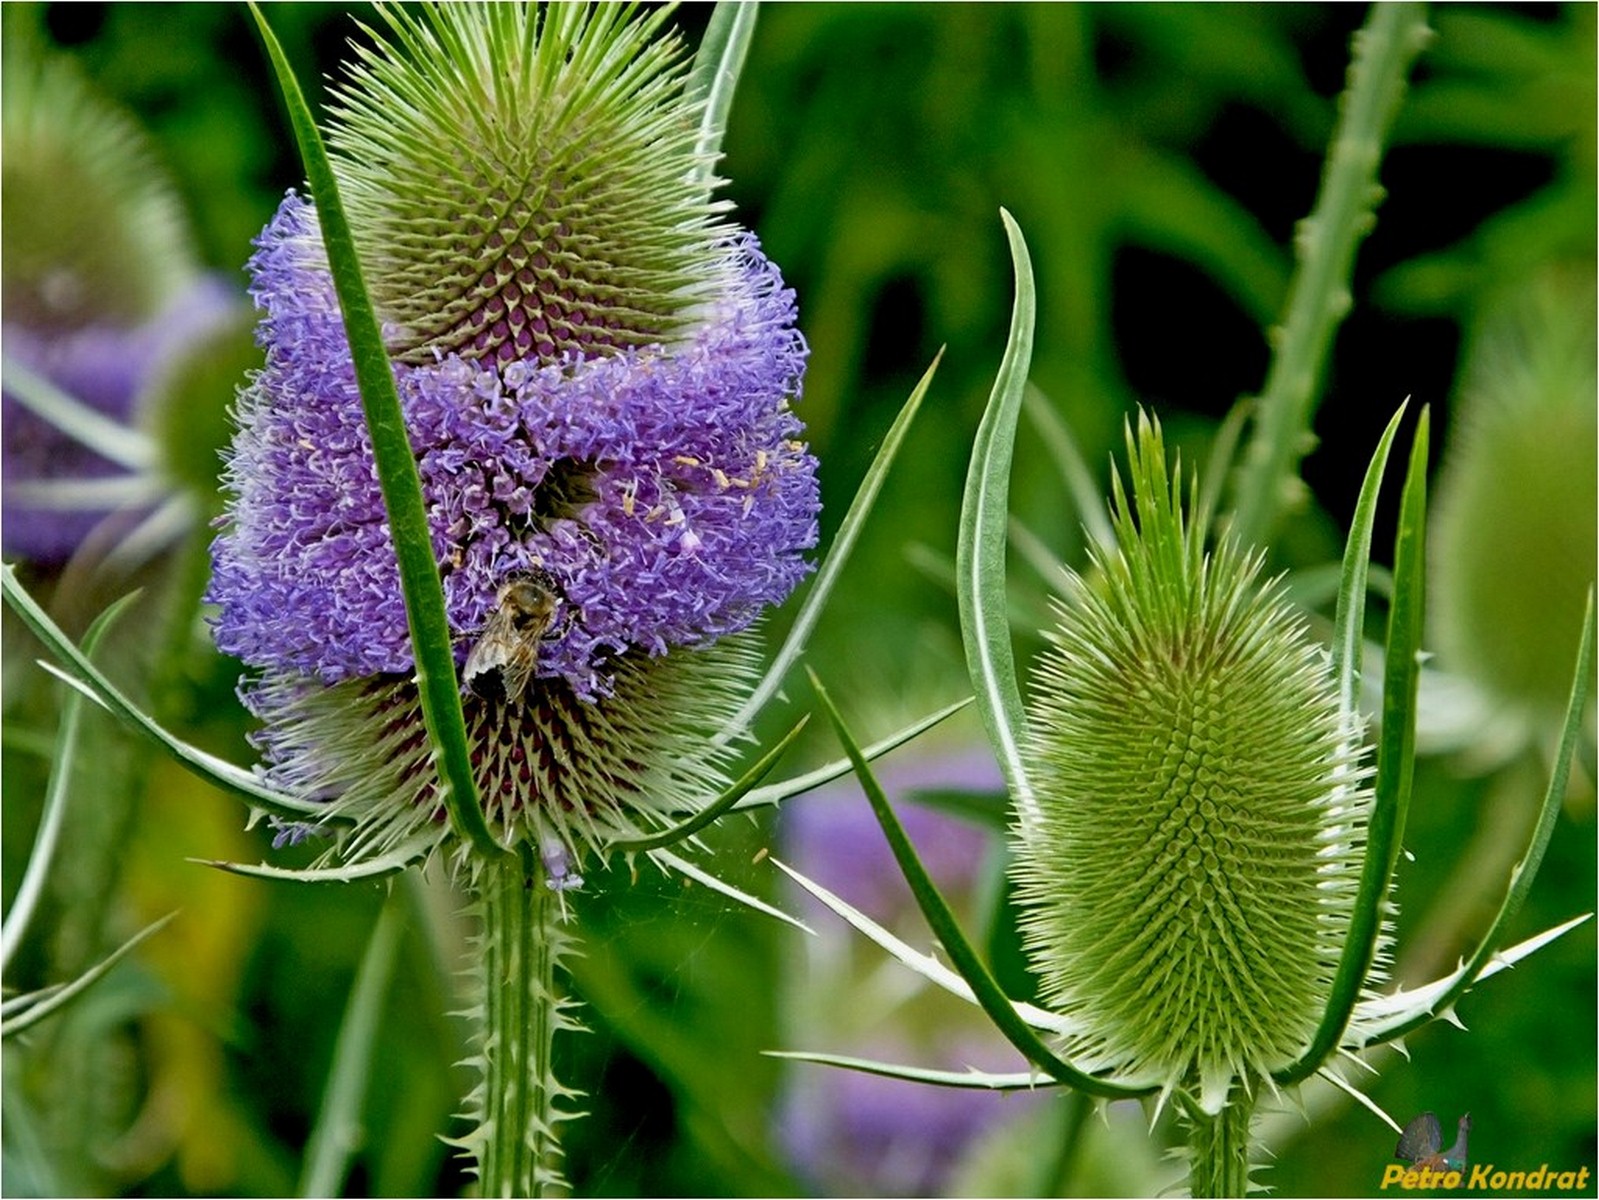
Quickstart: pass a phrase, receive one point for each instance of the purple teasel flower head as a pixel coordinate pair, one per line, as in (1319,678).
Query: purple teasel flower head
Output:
(105,310)
(596,375)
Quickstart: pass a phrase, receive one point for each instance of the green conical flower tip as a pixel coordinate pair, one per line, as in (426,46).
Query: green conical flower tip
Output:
(1190,872)
(524,186)
(92,230)
(1514,531)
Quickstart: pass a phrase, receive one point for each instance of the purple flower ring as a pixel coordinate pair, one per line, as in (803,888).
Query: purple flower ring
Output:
(662,488)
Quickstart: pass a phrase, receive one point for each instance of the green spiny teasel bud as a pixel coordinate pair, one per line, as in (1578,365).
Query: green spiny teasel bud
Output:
(519,183)
(1514,527)
(1191,870)
(110,328)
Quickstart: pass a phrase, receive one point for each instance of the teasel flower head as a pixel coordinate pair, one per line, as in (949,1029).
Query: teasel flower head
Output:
(1514,533)
(106,314)
(596,374)
(1189,871)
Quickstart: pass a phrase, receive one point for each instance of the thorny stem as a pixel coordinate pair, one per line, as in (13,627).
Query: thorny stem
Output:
(519,1150)
(1326,241)
(1218,1146)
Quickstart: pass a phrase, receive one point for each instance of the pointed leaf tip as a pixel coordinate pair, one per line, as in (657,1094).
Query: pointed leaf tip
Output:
(984,525)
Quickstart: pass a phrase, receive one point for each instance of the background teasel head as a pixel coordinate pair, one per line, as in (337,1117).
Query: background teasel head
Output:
(1514,534)
(1189,869)
(595,375)
(94,230)
(110,326)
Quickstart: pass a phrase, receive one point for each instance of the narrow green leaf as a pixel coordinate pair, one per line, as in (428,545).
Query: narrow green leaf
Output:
(682,865)
(837,555)
(988,809)
(1081,485)
(980,550)
(1397,745)
(392,863)
(58,997)
(28,741)
(1360,1098)
(85,676)
(1525,871)
(986,1081)
(994,1002)
(63,764)
(723,803)
(174,517)
(1349,620)
(16,1004)
(431,643)
(1384,1018)
(88,495)
(714,76)
(776,793)
(932,969)
(338,1133)
(925,965)
(1035,552)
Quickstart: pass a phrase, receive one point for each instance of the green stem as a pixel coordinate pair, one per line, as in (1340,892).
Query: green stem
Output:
(518,1148)
(1319,295)
(1072,1114)
(1218,1146)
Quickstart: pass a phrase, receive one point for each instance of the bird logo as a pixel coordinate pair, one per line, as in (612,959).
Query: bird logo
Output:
(1421,1143)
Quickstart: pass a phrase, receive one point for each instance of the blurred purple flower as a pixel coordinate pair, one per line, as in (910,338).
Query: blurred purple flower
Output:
(661,487)
(849,1133)
(852,1133)
(832,836)
(108,368)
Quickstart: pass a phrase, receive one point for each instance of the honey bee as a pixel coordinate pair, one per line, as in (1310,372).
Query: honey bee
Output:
(501,662)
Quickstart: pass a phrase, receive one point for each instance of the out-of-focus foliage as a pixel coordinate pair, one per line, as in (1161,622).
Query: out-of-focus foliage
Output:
(1157,157)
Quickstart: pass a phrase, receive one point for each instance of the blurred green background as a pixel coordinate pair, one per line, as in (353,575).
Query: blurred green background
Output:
(1157,158)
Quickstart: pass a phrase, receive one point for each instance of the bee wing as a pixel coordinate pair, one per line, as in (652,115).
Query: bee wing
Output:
(492,652)
(516,671)
(487,653)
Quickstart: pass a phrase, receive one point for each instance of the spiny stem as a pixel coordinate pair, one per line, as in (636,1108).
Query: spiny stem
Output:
(1218,1146)
(521,1012)
(1319,295)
